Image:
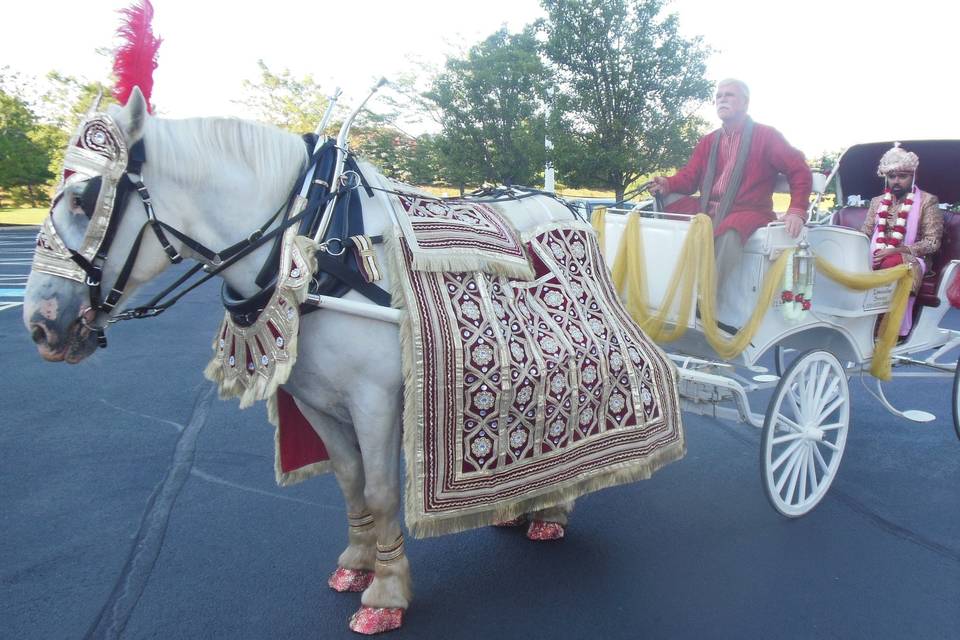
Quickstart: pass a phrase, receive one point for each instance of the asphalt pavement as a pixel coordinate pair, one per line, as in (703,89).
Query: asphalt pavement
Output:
(135,504)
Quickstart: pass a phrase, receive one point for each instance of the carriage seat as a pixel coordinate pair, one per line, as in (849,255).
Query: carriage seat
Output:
(853,217)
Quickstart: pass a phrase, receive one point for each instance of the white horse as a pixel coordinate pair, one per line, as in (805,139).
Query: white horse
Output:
(216,180)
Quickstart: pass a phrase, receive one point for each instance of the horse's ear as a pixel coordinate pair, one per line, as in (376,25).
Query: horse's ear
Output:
(135,115)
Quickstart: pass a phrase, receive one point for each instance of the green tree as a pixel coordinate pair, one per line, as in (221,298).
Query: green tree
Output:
(291,103)
(24,160)
(61,106)
(490,105)
(298,104)
(629,85)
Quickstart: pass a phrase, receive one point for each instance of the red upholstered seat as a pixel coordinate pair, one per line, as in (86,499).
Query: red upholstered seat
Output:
(853,217)
(949,250)
(850,217)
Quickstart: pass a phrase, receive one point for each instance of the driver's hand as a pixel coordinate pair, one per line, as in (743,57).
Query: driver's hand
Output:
(658,186)
(794,223)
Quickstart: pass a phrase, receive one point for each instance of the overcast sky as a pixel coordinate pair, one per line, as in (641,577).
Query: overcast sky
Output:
(827,73)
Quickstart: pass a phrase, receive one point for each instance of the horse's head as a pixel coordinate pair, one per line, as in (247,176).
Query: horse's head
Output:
(84,242)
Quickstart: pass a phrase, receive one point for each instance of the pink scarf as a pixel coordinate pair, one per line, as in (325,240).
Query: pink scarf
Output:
(913,224)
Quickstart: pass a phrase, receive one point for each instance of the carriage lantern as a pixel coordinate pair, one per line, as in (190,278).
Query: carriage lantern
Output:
(803,268)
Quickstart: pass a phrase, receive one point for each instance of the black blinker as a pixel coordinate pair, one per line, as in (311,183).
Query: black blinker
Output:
(88,199)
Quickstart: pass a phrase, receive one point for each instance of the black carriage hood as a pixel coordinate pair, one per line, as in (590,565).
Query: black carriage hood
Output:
(939,171)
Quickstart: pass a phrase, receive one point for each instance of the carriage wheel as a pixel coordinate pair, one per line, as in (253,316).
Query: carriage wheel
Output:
(956,400)
(805,432)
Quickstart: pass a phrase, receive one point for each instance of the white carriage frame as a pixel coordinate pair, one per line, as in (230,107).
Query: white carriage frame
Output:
(836,339)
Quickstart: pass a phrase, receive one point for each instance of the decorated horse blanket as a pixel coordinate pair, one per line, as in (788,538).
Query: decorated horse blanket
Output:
(526,382)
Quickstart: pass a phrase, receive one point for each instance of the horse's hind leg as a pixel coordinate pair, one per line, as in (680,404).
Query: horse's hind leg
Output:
(355,565)
(386,599)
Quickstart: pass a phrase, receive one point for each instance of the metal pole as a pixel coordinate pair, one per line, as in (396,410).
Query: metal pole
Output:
(341,159)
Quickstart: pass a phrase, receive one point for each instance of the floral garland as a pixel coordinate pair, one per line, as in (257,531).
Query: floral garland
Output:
(796,303)
(891,230)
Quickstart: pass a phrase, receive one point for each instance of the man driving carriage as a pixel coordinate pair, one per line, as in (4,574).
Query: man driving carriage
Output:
(735,169)
(904,224)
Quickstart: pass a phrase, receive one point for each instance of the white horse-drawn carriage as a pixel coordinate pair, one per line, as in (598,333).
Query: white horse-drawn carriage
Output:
(805,355)
(578,395)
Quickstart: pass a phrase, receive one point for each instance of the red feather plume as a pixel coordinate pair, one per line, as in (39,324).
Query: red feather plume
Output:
(136,58)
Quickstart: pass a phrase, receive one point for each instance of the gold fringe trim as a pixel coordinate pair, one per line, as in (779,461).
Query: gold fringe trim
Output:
(609,477)
(516,268)
(256,387)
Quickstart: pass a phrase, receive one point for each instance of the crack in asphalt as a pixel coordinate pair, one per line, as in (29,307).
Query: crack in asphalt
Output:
(873,517)
(233,485)
(176,425)
(132,581)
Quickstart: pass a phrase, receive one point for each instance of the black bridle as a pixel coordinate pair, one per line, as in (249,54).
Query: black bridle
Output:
(215,261)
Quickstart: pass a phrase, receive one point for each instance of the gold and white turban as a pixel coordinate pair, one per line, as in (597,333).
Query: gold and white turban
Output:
(897,159)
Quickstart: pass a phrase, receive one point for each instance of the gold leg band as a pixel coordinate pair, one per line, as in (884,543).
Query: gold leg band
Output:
(390,553)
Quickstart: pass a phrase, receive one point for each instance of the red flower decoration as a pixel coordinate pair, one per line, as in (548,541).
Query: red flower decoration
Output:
(798,297)
(787,296)
(806,305)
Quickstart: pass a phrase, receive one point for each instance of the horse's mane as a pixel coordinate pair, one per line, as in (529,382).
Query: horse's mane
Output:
(194,150)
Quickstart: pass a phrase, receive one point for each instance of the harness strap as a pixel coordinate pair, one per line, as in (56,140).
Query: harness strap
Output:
(154,308)
(354,280)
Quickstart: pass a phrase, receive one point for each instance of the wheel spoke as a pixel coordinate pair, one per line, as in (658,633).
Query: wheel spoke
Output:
(820,461)
(829,445)
(836,404)
(828,395)
(788,422)
(832,426)
(794,474)
(821,383)
(787,438)
(794,403)
(802,489)
(812,470)
(810,385)
(787,471)
(783,456)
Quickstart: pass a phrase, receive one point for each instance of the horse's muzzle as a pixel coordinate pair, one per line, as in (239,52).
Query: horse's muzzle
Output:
(70,344)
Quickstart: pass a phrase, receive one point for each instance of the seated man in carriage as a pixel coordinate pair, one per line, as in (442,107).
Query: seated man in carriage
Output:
(735,169)
(904,224)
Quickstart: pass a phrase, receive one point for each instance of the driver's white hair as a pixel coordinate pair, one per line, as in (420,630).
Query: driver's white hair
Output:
(739,84)
(192,150)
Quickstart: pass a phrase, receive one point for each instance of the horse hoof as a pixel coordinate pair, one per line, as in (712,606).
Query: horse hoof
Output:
(371,620)
(516,522)
(541,530)
(344,580)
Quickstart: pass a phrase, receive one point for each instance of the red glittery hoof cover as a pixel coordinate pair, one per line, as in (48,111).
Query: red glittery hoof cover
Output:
(516,522)
(350,579)
(540,530)
(371,620)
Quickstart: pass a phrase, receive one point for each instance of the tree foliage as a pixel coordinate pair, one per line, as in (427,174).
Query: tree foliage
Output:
(490,104)
(298,105)
(24,159)
(291,103)
(628,87)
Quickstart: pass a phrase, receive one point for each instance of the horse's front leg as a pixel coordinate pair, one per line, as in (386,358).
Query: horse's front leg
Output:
(387,598)
(355,565)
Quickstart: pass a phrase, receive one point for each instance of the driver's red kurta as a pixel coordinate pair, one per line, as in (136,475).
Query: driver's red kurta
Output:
(770,154)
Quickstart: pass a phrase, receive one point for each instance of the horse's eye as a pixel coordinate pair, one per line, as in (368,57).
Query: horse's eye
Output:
(76,205)
(86,201)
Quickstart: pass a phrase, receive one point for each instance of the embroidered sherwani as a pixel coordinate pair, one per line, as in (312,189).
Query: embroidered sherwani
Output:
(752,208)
(929,232)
